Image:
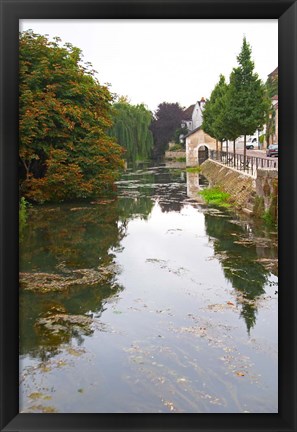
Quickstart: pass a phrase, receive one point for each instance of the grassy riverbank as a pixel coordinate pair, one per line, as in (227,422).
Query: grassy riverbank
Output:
(216,196)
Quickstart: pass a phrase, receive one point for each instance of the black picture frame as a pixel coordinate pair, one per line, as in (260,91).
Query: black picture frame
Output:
(286,13)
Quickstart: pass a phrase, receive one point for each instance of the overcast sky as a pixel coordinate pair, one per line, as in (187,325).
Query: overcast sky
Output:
(154,61)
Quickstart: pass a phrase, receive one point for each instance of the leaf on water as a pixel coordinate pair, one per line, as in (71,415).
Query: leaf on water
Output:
(38,395)
(44,409)
(75,352)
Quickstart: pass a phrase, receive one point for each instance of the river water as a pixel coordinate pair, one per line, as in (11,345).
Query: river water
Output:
(184,320)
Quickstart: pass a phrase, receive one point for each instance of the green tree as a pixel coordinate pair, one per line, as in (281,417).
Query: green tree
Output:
(247,96)
(167,119)
(64,112)
(215,110)
(131,129)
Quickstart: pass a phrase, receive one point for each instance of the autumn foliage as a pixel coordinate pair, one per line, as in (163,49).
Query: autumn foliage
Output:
(64,113)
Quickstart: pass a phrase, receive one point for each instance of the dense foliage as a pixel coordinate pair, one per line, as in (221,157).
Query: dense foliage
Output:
(237,108)
(64,113)
(248,101)
(131,129)
(166,121)
(214,122)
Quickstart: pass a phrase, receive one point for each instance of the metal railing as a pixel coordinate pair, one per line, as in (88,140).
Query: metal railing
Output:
(250,165)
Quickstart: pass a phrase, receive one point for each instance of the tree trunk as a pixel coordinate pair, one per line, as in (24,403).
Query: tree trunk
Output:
(27,168)
(244,152)
(234,152)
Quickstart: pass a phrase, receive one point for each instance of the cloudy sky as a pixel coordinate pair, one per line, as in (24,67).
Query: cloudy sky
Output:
(154,61)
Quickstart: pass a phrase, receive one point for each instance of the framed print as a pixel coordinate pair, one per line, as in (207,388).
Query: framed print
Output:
(148,240)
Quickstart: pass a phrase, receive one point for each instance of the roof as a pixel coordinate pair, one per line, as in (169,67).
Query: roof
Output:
(274,73)
(193,131)
(187,114)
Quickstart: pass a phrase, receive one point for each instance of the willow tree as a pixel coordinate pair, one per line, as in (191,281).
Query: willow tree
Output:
(131,129)
(64,114)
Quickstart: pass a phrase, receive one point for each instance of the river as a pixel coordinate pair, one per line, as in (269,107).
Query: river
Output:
(152,302)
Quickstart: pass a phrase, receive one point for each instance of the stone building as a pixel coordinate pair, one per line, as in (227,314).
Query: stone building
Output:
(198,145)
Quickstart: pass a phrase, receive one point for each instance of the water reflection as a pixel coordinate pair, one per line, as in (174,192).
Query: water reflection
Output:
(240,251)
(238,257)
(150,329)
(60,239)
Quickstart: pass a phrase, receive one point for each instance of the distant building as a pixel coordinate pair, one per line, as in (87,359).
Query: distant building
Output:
(187,118)
(275,107)
(198,145)
(197,116)
(193,116)
(274,74)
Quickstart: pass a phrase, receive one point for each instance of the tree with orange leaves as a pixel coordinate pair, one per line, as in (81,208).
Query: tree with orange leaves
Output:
(64,113)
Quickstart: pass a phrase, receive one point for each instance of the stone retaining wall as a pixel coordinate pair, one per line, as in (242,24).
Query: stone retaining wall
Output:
(175,154)
(239,185)
(255,196)
(267,193)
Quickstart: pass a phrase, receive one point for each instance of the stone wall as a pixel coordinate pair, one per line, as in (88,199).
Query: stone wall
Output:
(240,186)
(175,154)
(267,193)
(257,197)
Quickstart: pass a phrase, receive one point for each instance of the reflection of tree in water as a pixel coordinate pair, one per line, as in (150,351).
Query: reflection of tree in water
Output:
(59,240)
(129,208)
(167,186)
(239,263)
(172,194)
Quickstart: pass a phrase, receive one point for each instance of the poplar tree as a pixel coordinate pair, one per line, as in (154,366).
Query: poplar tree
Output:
(247,100)
(214,112)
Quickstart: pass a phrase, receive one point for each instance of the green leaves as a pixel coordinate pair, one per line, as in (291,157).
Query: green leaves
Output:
(215,110)
(247,100)
(237,108)
(64,114)
(131,129)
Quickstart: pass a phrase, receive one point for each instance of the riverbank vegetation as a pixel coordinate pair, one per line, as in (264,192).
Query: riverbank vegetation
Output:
(196,169)
(215,196)
(64,151)
(23,216)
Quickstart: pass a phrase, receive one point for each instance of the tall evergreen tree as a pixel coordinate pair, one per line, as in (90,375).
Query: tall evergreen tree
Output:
(247,100)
